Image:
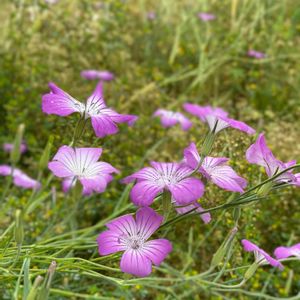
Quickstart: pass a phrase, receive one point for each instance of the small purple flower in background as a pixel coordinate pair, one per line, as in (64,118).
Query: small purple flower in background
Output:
(100,75)
(131,236)
(172,177)
(261,257)
(9,147)
(216,124)
(216,118)
(205,17)
(215,170)
(51,1)
(151,15)
(285,252)
(259,154)
(103,119)
(203,111)
(82,164)
(19,178)
(169,118)
(256,54)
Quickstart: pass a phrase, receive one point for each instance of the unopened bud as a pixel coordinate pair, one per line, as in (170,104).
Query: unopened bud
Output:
(45,155)
(45,289)
(16,151)
(33,292)
(251,270)
(265,189)
(207,144)
(221,252)
(19,229)
(236,214)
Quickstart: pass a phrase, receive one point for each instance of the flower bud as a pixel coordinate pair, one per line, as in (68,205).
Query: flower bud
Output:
(221,252)
(265,189)
(251,270)
(236,214)
(16,153)
(207,144)
(45,289)
(45,155)
(19,229)
(33,292)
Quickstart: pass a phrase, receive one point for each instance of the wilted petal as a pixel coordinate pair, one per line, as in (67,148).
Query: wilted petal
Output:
(195,207)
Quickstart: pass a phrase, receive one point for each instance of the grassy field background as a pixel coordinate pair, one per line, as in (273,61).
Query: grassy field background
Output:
(160,63)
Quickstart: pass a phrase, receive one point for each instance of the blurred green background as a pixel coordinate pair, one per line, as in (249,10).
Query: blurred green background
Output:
(158,63)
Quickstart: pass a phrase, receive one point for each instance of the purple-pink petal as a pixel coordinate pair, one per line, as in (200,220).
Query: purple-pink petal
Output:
(157,250)
(94,74)
(205,17)
(187,190)
(170,118)
(203,111)
(60,103)
(285,252)
(147,222)
(259,154)
(197,208)
(214,169)
(136,263)
(109,242)
(251,247)
(144,192)
(256,54)
(7,147)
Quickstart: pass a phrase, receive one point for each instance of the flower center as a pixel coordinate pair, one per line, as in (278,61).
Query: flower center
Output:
(134,242)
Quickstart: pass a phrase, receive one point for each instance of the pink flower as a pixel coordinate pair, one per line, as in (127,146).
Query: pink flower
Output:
(9,147)
(131,236)
(205,17)
(51,1)
(261,257)
(203,111)
(259,154)
(169,118)
(151,15)
(172,177)
(216,118)
(19,178)
(215,169)
(284,252)
(94,74)
(82,164)
(103,119)
(256,54)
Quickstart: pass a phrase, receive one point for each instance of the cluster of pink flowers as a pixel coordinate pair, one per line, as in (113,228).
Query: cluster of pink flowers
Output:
(179,180)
